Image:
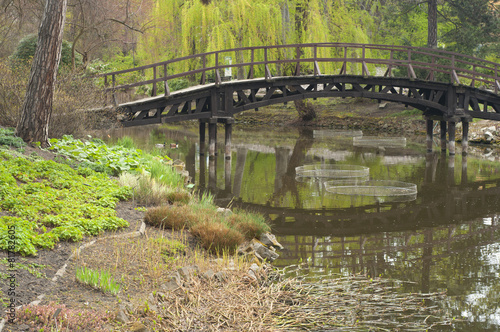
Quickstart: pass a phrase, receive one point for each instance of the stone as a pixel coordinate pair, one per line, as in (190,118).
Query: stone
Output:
(174,282)
(254,267)
(225,212)
(252,275)
(209,274)
(382,105)
(187,272)
(263,251)
(121,317)
(269,240)
(23,327)
(138,327)
(488,136)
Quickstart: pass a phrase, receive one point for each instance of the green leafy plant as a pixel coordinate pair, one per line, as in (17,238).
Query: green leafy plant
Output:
(43,194)
(8,138)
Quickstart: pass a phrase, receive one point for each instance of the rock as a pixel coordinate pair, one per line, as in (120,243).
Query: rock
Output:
(254,267)
(23,327)
(187,272)
(264,252)
(209,274)
(252,275)
(488,136)
(491,129)
(173,283)
(269,240)
(225,212)
(121,317)
(382,105)
(138,327)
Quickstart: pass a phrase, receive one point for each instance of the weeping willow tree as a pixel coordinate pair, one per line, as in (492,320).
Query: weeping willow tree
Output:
(191,27)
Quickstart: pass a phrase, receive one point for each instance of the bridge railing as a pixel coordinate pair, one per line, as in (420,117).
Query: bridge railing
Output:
(309,59)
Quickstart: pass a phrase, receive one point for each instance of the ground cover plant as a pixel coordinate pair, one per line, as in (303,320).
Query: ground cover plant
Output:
(48,202)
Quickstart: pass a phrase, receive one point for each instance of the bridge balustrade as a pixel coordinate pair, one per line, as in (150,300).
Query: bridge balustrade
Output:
(310,59)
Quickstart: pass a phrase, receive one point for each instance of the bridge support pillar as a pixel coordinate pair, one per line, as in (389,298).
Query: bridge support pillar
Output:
(229,133)
(451,138)
(430,128)
(212,138)
(202,138)
(465,137)
(442,133)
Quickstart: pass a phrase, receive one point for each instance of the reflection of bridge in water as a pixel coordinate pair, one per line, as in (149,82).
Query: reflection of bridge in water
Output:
(444,220)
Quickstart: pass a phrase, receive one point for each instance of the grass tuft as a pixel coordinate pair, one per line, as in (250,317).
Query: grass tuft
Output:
(217,236)
(102,280)
(251,225)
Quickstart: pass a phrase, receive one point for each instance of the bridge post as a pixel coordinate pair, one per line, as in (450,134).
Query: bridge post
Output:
(430,128)
(212,137)
(451,137)
(202,137)
(442,127)
(465,137)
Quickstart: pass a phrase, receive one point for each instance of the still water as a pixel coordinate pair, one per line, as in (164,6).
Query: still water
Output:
(446,238)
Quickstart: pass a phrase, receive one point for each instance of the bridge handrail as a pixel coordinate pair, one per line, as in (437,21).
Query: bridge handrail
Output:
(454,65)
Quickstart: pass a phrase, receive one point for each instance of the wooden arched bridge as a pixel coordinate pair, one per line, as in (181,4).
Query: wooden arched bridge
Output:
(448,87)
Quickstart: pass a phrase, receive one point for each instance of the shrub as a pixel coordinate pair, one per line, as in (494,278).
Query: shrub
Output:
(217,237)
(26,48)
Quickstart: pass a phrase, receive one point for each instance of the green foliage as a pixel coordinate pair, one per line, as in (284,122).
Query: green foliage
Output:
(118,159)
(26,50)
(191,27)
(8,138)
(102,280)
(54,195)
(95,154)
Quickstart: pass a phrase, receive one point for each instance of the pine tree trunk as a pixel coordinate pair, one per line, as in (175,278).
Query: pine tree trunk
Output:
(37,107)
(432,24)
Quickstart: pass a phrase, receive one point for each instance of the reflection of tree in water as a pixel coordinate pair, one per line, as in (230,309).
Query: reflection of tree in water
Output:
(285,167)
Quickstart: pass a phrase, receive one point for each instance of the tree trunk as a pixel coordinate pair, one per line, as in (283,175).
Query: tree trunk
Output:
(37,107)
(432,24)
(305,109)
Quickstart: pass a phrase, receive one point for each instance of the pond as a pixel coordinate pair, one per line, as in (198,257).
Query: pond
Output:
(444,238)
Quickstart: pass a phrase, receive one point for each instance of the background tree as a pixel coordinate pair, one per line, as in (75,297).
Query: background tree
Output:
(37,107)
(432,24)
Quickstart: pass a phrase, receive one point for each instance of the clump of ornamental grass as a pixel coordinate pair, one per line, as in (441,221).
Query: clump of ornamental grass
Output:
(179,196)
(217,236)
(42,318)
(250,224)
(171,216)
